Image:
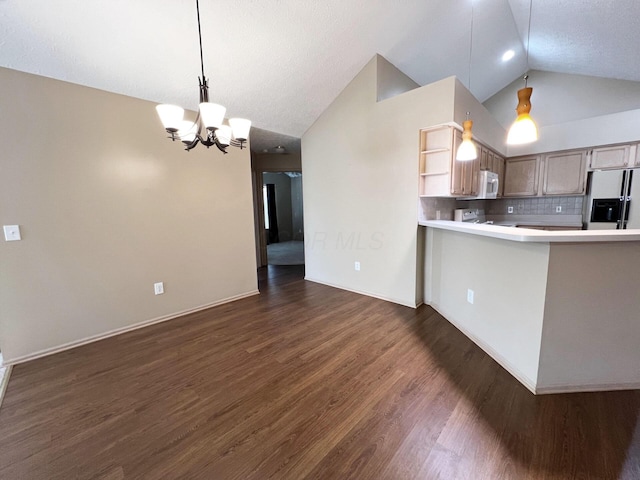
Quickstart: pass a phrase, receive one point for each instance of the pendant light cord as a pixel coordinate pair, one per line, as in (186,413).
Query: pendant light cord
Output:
(528,39)
(470,46)
(200,38)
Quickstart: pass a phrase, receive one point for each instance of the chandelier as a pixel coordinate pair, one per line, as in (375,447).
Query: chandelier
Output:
(209,128)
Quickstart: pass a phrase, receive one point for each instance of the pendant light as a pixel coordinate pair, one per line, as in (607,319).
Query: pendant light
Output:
(208,129)
(524,129)
(467,150)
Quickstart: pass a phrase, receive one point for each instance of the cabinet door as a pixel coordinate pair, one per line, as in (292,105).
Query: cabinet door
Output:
(521,176)
(610,157)
(565,173)
(457,168)
(485,159)
(472,171)
(498,164)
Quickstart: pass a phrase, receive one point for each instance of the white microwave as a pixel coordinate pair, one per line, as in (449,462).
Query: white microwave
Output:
(487,186)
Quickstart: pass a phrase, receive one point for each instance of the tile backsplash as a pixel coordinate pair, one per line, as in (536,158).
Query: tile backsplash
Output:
(535,206)
(570,205)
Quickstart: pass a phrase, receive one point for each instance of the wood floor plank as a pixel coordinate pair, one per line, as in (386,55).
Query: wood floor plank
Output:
(303,381)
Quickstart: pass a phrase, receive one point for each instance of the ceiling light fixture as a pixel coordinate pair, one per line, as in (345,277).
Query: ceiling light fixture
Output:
(524,129)
(508,55)
(467,149)
(209,120)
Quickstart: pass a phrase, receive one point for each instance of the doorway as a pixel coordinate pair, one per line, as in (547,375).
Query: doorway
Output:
(280,218)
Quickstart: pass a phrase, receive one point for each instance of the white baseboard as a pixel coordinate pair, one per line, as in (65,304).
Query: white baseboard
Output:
(504,363)
(362,292)
(119,331)
(600,387)
(4,381)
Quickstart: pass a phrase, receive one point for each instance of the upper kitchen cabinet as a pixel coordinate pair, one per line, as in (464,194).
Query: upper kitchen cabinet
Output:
(497,166)
(441,175)
(521,176)
(637,155)
(564,173)
(610,157)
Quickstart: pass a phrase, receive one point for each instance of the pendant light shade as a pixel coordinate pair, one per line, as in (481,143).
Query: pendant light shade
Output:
(240,128)
(224,135)
(524,129)
(212,115)
(187,131)
(170,116)
(467,150)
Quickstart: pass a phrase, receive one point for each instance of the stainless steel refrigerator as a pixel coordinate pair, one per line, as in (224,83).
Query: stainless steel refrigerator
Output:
(610,203)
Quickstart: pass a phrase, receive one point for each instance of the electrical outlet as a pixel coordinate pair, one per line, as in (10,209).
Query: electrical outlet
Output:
(357,266)
(559,209)
(12,233)
(158,288)
(437,214)
(470,296)
(509,209)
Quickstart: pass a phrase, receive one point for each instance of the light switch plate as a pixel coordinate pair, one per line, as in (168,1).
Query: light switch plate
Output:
(12,233)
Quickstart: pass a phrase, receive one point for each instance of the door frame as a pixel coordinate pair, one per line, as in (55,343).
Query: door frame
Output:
(258,211)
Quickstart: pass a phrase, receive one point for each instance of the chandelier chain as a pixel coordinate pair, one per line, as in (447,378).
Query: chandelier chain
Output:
(200,39)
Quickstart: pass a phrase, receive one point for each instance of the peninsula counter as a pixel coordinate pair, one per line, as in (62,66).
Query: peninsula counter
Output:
(560,310)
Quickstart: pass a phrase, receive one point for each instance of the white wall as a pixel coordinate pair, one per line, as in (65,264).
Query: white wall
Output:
(572,111)
(108,206)
(560,98)
(360,184)
(604,130)
(509,281)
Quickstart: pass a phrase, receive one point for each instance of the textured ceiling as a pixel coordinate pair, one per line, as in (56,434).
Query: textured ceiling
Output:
(281,62)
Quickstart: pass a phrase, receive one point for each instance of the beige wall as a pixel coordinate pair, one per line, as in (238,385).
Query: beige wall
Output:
(508,280)
(360,184)
(591,334)
(276,162)
(108,206)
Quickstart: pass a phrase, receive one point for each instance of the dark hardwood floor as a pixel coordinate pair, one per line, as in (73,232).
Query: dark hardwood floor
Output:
(303,381)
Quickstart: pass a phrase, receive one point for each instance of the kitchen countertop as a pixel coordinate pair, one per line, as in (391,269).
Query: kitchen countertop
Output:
(536,236)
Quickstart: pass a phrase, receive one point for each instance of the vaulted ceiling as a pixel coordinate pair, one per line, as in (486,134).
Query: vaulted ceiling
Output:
(282,62)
